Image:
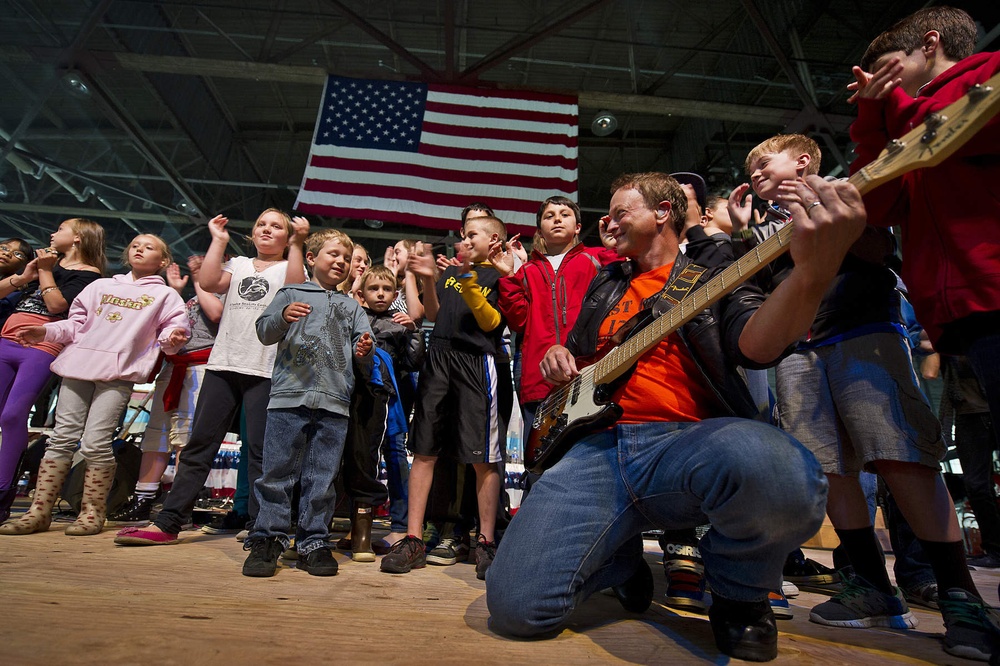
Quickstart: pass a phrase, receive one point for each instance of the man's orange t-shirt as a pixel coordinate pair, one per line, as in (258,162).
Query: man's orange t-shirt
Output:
(666,384)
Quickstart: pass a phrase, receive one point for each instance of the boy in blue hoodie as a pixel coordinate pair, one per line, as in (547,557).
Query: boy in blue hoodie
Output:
(318,331)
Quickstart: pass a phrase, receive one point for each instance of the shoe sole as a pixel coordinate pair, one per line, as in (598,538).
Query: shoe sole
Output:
(363,556)
(139,541)
(126,523)
(437,560)
(782,613)
(404,571)
(218,530)
(906,621)
(812,580)
(967,652)
(319,571)
(680,603)
(260,574)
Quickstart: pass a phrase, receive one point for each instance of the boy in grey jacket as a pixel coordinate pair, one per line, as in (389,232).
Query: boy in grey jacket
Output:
(319,331)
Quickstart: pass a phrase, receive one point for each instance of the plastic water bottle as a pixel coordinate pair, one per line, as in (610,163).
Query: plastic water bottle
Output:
(23,483)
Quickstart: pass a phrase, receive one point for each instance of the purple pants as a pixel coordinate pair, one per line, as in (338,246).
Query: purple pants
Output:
(23,374)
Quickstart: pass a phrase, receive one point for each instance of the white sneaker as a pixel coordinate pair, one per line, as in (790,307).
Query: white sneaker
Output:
(789,589)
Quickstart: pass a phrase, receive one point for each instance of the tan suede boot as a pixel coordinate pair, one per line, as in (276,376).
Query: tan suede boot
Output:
(94,503)
(51,477)
(361,533)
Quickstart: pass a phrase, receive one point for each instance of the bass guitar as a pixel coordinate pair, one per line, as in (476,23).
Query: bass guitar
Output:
(585,405)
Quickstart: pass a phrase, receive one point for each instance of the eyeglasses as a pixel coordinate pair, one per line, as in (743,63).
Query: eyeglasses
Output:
(6,249)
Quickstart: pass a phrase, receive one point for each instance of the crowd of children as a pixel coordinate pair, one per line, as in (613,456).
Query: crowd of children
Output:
(324,353)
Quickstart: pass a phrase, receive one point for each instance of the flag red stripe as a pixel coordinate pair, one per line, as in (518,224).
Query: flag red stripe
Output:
(443,175)
(472,154)
(400,217)
(415,195)
(530,96)
(507,114)
(500,134)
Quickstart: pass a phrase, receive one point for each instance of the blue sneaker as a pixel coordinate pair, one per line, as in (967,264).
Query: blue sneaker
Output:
(686,585)
(860,605)
(779,606)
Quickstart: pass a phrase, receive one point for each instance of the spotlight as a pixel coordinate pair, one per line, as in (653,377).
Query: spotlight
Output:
(74,81)
(374,224)
(604,123)
(187,208)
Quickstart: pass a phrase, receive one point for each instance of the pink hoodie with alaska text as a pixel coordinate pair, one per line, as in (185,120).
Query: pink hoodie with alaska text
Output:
(116,328)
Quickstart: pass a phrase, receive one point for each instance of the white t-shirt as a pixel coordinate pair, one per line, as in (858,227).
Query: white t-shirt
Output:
(556,260)
(237,348)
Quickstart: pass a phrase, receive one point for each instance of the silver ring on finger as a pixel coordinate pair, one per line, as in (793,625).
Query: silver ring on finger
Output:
(813,205)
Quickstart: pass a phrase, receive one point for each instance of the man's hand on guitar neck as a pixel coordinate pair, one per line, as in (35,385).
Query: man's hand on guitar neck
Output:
(558,366)
(828,218)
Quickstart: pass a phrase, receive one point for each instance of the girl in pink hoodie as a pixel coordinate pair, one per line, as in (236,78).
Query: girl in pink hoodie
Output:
(114,333)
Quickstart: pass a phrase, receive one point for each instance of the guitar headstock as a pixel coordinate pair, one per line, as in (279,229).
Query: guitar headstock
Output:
(936,139)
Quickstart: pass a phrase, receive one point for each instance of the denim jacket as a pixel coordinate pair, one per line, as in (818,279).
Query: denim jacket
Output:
(313,366)
(712,337)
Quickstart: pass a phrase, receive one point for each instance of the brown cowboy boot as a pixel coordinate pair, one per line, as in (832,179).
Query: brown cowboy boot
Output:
(361,533)
(51,476)
(94,503)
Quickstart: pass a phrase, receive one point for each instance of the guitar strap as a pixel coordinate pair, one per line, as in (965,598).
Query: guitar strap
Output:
(675,290)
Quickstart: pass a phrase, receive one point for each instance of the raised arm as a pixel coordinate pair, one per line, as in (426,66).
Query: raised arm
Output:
(212,277)
(820,240)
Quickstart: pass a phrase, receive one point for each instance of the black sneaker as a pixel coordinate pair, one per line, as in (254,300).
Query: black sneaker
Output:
(924,594)
(636,594)
(135,512)
(485,552)
(319,562)
(262,562)
(802,571)
(744,630)
(405,554)
(450,550)
(984,561)
(231,523)
(971,628)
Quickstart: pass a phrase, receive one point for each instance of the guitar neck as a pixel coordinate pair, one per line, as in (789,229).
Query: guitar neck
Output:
(928,145)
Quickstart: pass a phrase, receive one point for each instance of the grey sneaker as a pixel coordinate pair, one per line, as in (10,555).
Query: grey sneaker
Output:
(972,629)
(924,595)
(860,605)
(446,552)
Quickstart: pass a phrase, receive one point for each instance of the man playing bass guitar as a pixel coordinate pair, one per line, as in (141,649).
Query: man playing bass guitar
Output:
(685,450)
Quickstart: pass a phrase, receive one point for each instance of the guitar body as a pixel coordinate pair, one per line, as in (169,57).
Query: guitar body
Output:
(575,410)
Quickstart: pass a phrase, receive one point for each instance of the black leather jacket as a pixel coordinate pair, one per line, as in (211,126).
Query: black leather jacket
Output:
(712,337)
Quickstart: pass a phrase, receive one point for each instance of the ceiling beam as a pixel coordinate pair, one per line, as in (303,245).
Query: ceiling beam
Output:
(316,76)
(386,40)
(518,44)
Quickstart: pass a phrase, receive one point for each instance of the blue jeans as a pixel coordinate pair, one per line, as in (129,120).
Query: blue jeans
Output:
(580,529)
(306,446)
(397,470)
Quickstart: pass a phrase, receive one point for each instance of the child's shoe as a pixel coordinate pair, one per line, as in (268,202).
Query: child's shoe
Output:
(262,561)
(319,562)
(405,554)
(136,536)
(972,629)
(485,552)
(136,512)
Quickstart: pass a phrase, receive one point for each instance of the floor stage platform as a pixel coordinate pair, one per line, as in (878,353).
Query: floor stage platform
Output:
(83,600)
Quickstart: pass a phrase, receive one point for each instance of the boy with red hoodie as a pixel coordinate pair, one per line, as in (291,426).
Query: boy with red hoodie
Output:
(541,300)
(950,215)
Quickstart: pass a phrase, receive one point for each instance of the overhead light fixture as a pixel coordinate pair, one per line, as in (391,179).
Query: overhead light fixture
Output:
(374,224)
(75,82)
(187,208)
(604,123)
(3,191)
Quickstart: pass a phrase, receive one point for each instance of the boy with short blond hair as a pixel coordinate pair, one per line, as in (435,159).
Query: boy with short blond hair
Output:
(459,410)
(321,333)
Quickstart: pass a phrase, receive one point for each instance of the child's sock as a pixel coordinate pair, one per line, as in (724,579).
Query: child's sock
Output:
(948,561)
(147,490)
(863,551)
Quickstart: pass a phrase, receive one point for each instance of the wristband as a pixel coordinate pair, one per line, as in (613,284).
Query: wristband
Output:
(47,290)
(16,286)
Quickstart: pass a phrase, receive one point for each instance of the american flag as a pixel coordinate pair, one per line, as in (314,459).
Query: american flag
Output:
(417,153)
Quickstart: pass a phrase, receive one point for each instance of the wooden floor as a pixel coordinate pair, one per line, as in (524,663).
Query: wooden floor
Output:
(83,600)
